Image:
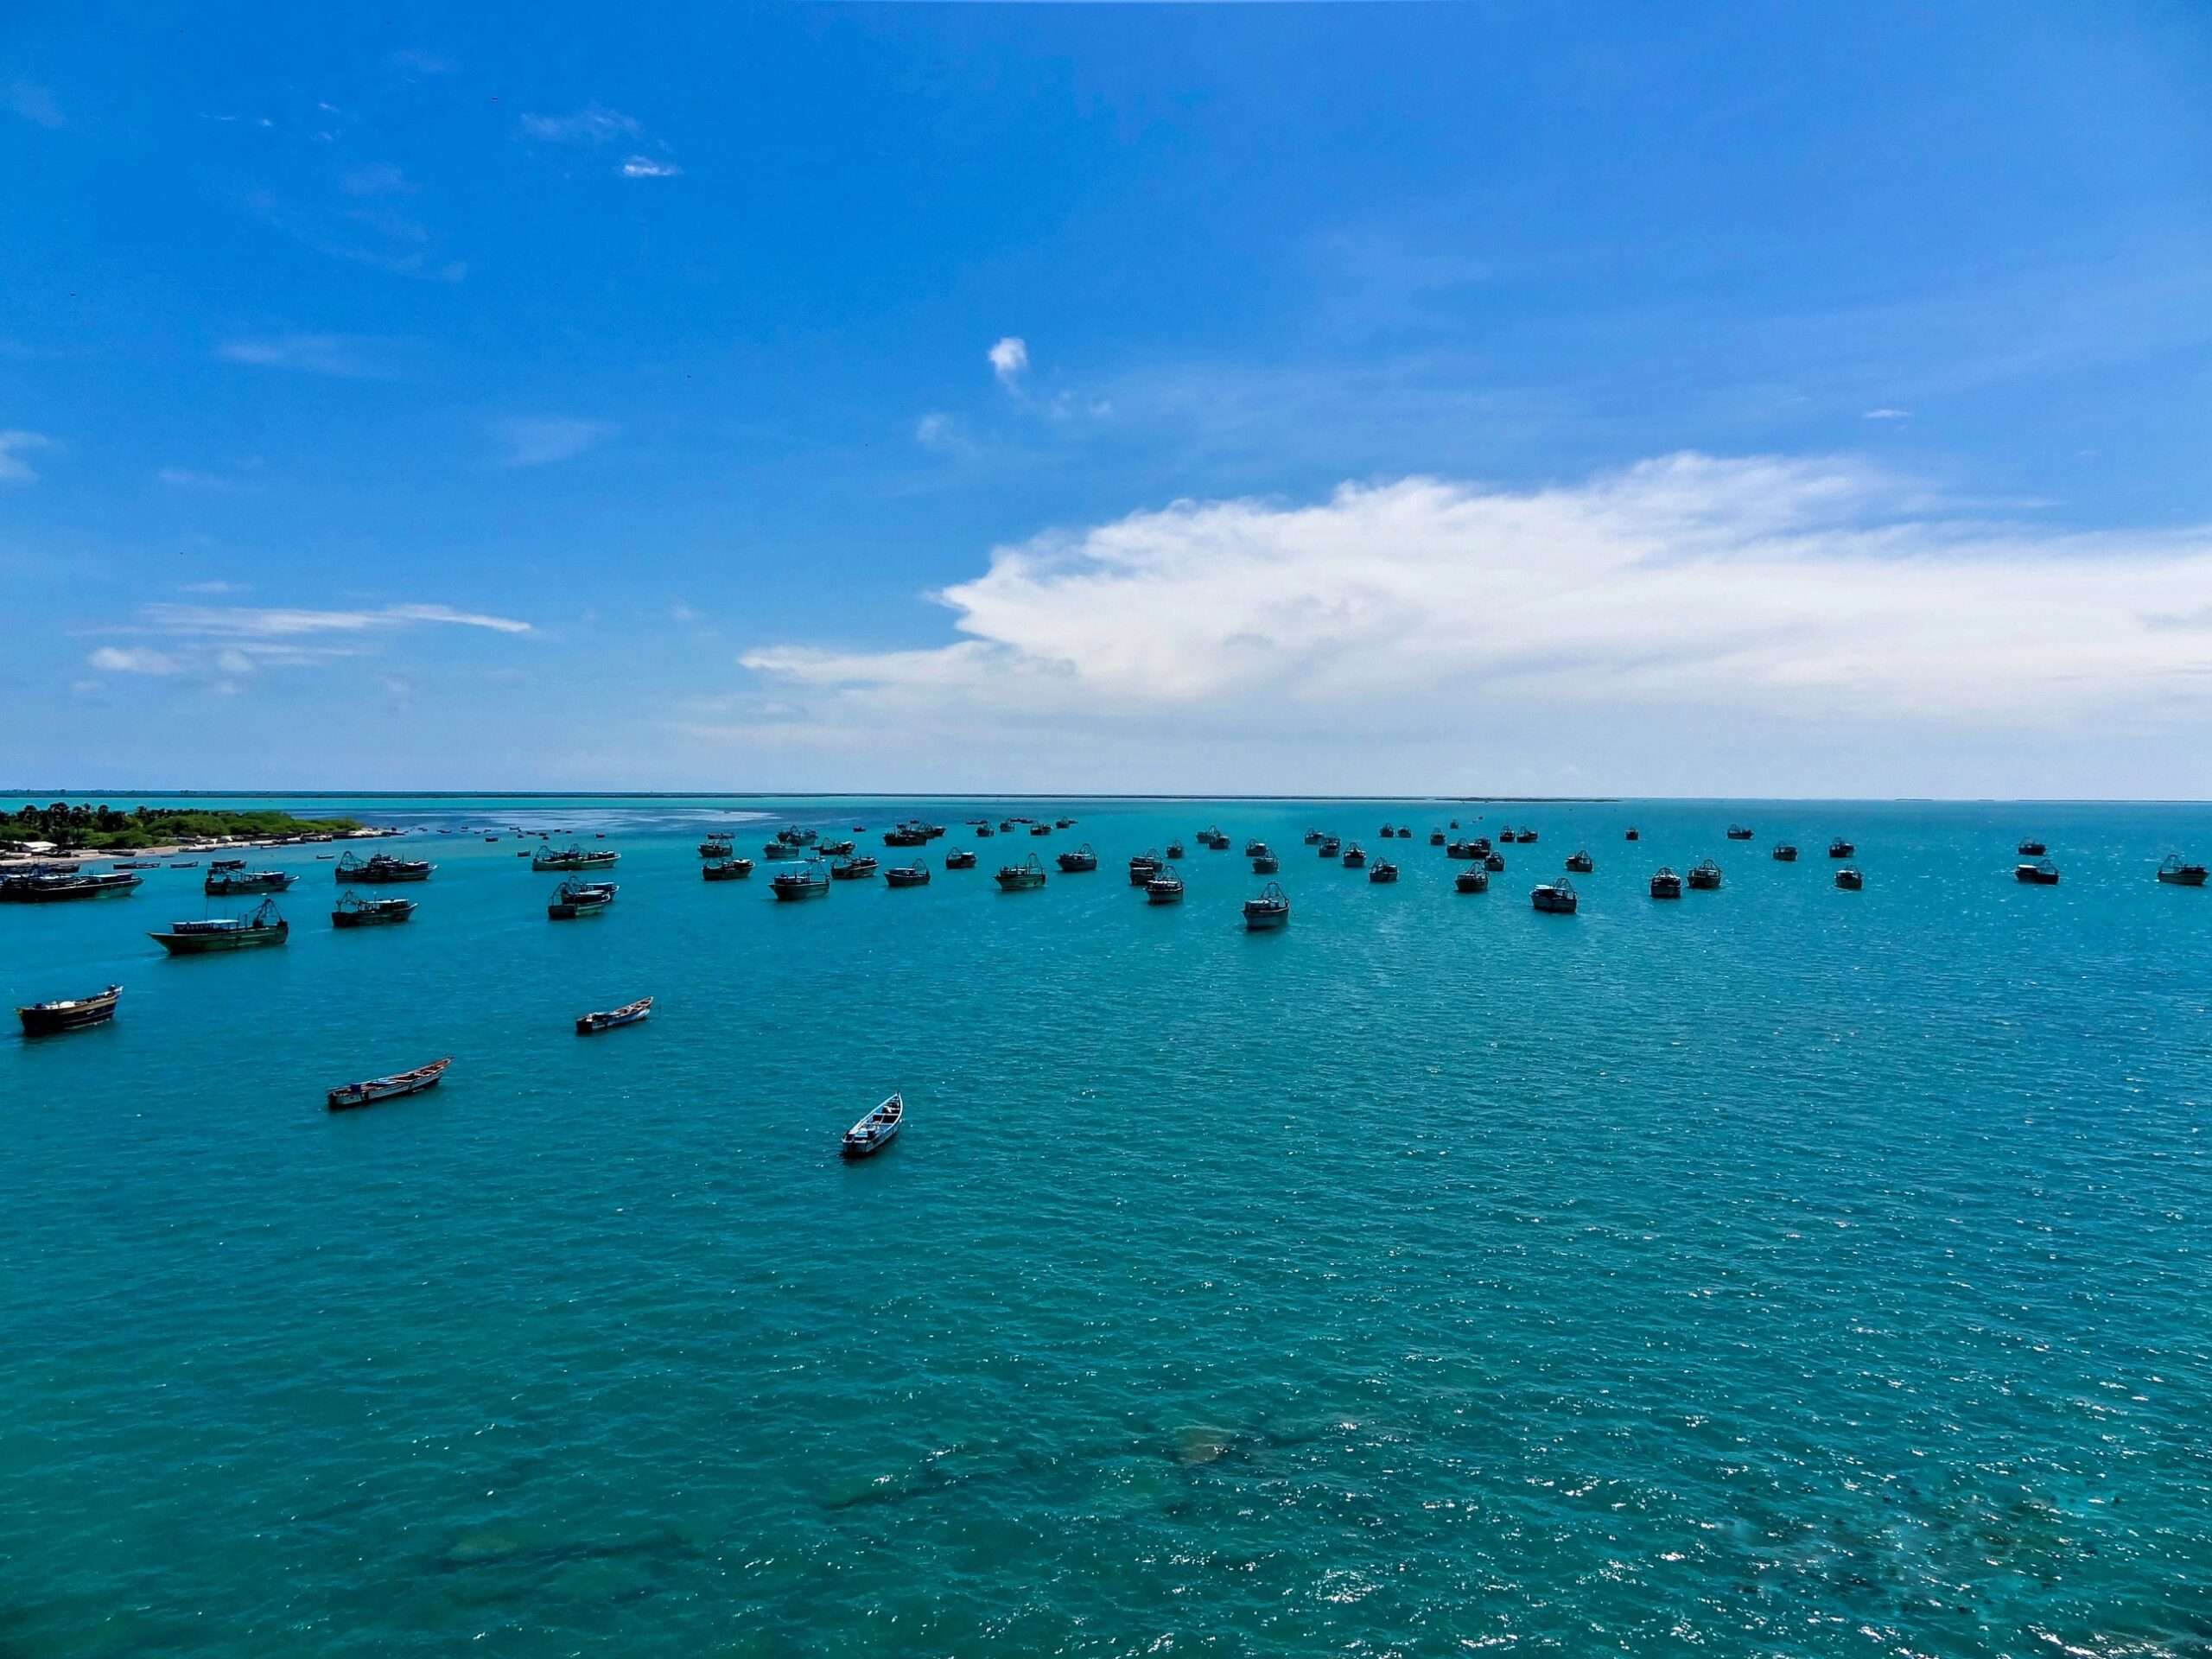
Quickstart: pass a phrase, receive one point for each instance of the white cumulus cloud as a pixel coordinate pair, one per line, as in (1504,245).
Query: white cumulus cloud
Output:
(1009,359)
(540,442)
(120,659)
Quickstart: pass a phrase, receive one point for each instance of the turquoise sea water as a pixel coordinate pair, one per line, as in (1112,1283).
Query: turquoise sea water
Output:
(1781,1271)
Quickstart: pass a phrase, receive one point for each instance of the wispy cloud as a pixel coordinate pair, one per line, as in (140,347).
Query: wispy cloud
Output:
(211,588)
(33,102)
(595,123)
(373,235)
(1009,359)
(14,446)
(537,442)
(1887,414)
(646,167)
(939,431)
(377,179)
(243,621)
(337,354)
(118,660)
(422,63)
(1817,590)
(186,478)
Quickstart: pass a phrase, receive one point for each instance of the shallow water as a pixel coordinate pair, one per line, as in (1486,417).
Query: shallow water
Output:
(1780,1271)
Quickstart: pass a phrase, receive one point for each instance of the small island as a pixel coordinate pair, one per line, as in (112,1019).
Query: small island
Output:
(62,827)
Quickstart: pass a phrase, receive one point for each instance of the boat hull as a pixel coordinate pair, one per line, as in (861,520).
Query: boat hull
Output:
(371,917)
(2190,878)
(792,892)
(377,1090)
(1265,921)
(209,945)
(50,1019)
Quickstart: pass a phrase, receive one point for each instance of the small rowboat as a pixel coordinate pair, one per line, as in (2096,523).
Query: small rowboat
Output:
(390,1088)
(628,1014)
(69,1012)
(877,1130)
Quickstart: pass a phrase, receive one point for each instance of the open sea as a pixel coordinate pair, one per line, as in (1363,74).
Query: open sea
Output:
(1784,1271)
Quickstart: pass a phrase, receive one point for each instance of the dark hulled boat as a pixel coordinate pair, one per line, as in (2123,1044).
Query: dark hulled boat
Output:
(1023,877)
(1580,863)
(1143,867)
(574,899)
(727,869)
(1784,852)
(1266,864)
(69,1012)
(1665,884)
(574,856)
(1557,898)
(960,859)
(717,846)
(1840,848)
(354,911)
(1269,911)
(916,875)
(2177,873)
(1165,886)
(2031,848)
(382,867)
(1849,879)
(859,868)
(1079,861)
(265,926)
(225,884)
(1473,879)
(1705,876)
(1739,832)
(1354,857)
(1493,862)
(55,886)
(1383,870)
(809,881)
(2041,874)
(1634,834)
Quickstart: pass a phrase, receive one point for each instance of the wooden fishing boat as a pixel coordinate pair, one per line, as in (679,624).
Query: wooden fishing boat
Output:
(265,926)
(382,867)
(391,1088)
(1784,852)
(861,868)
(1665,884)
(1849,879)
(1354,857)
(836,848)
(56,887)
(1329,846)
(1383,870)
(1493,862)
(809,881)
(782,851)
(1473,879)
(575,856)
(1580,863)
(69,1012)
(1255,846)
(1211,836)
(799,835)
(1840,848)
(628,1014)
(1063,823)
(1705,876)
(1270,910)
(574,899)
(2041,874)
(933,831)
(1143,867)
(1386,832)
(1464,848)
(2031,849)
(1557,898)
(727,869)
(1006,826)
(1739,832)
(916,875)
(1634,834)
(1021,878)
(1078,861)
(1175,851)
(354,911)
(1312,838)
(136,864)
(960,859)
(231,883)
(1165,886)
(2177,873)
(1040,828)
(875,1131)
(1266,864)
(905,835)
(983,830)
(1405,832)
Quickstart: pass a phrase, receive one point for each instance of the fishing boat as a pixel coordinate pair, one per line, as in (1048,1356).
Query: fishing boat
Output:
(1473,879)
(1021,878)
(575,856)
(983,830)
(1355,857)
(1493,862)
(798,835)
(1840,848)
(1175,851)
(184,864)
(836,848)
(1166,887)
(1081,860)
(628,1014)
(1266,864)
(1739,832)
(960,859)
(1270,910)
(574,899)
(230,883)
(1557,898)
(1383,870)
(933,831)
(1849,879)
(780,851)
(1063,823)
(354,911)
(69,1012)
(1436,837)
(1255,846)
(1705,876)
(2174,873)
(1405,832)
(1143,867)
(1328,846)
(1465,848)
(137,864)
(1665,884)
(1784,852)
(905,835)
(853,869)
(1386,832)
(382,867)
(391,1088)
(2040,874)
(1634,834)
(1006,826)
(1211,836)
(264,927)
(875,1131)
(809,881)
(54,887)
(2031,849)
(1580,863)
(916,875)
(1040,828)
(727,868)
(1312,838)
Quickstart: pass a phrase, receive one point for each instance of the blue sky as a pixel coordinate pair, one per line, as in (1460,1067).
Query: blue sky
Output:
(1099,398)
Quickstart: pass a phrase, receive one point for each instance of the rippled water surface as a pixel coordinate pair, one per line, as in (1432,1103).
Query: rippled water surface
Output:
(1783,1271)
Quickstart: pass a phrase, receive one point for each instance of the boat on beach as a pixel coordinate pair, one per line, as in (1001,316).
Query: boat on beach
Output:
(1557,898)
(809,881)
(2040,874)
(575,856)
(264,927)
(354,911)
(730,869)
(628,1014)
(382,867)
(1078,861)
(399,1084)
(1473,879)
(2174,873)
(1270,910)
(875,1131)
(1023,877)
(69,1012)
